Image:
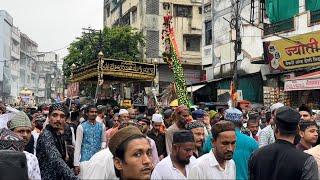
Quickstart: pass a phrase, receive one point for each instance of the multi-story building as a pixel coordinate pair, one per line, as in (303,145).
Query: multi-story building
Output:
(28,64)
(15,63)
(23,68)
(218,54)
(291,52)
(50,77)
(268,29)
(147,17)
(6,23)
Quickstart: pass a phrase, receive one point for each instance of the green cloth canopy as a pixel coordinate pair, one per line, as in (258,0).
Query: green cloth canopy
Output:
(312,5)
(279,10)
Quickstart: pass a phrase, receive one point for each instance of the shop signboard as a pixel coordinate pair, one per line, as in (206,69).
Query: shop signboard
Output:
(302,84)
(295,52)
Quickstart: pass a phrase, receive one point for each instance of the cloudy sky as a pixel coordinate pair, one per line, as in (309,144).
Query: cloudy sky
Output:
(54,24)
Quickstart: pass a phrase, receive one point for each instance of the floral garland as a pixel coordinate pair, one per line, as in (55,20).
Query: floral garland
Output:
(171,57)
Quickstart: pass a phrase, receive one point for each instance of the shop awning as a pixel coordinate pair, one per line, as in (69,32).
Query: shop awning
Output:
(305,82)
(195,88)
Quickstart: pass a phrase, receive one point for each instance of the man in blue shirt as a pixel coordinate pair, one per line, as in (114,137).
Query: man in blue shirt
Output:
(245,145)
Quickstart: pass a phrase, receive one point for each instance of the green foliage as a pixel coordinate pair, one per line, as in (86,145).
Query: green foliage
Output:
(119,42)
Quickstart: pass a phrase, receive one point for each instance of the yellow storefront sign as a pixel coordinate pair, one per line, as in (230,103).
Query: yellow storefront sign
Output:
(295,52)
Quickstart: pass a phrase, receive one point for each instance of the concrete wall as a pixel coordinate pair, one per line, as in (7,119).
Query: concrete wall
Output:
(221,49)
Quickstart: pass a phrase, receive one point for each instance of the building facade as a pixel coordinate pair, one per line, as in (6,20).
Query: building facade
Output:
(147,17)
(266,66)
(25,73)
(50,77)
(218,56)
(292,56)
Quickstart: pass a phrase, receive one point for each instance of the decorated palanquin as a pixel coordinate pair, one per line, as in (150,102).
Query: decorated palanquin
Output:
(111,69)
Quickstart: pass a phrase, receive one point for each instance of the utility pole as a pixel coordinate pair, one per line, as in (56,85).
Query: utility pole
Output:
(235,31)
(237,45)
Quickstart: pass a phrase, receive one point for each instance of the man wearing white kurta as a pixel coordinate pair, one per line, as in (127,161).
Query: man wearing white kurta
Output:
(178,164)
(218,163)
(100,166)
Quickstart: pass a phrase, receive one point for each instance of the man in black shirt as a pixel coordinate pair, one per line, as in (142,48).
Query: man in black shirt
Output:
(281,160)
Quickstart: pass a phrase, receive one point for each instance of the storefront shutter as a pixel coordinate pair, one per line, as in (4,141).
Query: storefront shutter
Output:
(252,87)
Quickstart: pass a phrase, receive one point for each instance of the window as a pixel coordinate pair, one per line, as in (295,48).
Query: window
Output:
(166,6)
(192,42)
(200,10)
(208,33)
(125,20)
(207,8)
(182,11)
(134,16)
(108,11)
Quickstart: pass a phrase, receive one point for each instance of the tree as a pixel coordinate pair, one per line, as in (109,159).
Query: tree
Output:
(118,42)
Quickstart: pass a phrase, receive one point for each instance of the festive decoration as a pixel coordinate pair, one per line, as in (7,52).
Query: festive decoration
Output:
(233,94)
(171,56)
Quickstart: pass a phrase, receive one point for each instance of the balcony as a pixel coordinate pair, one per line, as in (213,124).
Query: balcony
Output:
(315,17)
(281,26)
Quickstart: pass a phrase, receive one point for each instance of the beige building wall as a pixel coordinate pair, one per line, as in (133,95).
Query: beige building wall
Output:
(185,27)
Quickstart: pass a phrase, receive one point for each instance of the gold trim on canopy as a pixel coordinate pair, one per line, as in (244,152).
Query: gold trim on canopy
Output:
(114,68)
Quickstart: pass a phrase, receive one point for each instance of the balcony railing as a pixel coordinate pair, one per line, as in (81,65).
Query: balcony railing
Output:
(281,26)
(315,17)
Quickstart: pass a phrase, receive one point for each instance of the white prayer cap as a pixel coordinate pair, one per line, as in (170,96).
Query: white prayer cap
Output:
(276,106)
(157,118)
(123,111)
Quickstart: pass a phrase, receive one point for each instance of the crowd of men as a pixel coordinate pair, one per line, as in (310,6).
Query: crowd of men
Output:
(73,141)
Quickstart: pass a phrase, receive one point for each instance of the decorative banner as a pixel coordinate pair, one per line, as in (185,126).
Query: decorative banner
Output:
(298,52)
(115,68)
(73,89)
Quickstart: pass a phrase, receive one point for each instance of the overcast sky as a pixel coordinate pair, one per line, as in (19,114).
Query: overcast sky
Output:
(54,24)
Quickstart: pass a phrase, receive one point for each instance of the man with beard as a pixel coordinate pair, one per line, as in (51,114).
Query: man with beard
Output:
(144,124)
(90,138)
(180,116)
(197,128)
(308,131)
(14,162)
(132,154)
(158,136)
(218,163)
(20,124)
(281,160)
(253,126)
(124,116)
(178,164)
(305,112)
(245,145)
(51,149)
